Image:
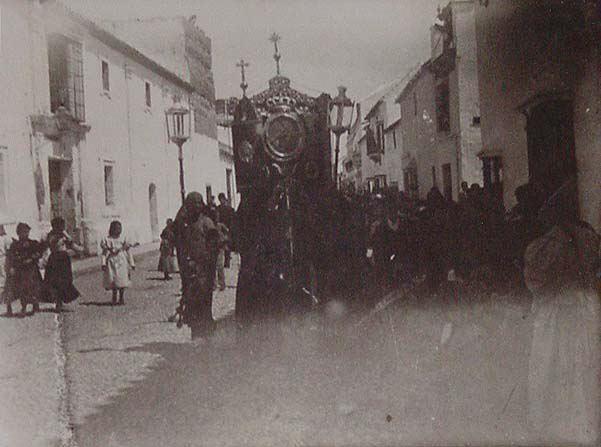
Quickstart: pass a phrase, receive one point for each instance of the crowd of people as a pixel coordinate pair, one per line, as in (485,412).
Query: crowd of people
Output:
(395,240)
(539,248)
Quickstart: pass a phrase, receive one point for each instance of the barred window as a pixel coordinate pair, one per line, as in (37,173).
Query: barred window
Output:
(65,62)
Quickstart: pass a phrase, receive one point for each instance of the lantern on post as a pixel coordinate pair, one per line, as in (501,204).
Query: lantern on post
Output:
(341,116)
(178,120)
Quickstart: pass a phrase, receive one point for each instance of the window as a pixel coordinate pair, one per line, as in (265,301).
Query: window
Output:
(380,136)
(434,183)
(394,138)
(443,120)
(109,185)
(447,181)
(106,85)
(371,184)
(148,94)
(380,183)
(476,121)
(65,70)
(209,190)
(3,179)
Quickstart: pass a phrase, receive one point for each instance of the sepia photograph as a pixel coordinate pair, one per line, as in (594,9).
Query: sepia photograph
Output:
(286,223)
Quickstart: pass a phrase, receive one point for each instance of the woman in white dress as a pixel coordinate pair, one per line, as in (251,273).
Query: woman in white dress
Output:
(117,262)
(563,380)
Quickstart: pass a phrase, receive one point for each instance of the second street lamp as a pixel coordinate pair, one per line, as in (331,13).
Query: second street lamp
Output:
(178,119)
(341,116)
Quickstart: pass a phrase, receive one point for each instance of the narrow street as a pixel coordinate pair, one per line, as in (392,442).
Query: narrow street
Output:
(413,372)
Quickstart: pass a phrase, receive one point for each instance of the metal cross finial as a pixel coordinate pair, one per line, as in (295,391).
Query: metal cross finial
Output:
(242,66)
(275,38)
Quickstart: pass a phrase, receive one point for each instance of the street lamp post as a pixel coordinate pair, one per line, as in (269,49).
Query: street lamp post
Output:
(178,119)
(341,115)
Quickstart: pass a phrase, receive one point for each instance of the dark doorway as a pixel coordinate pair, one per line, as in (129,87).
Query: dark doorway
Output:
(62,202)
(447,181)
(551,151)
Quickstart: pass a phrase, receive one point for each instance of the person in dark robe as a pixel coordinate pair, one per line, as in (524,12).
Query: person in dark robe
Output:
(167,259)
(226,214)
(435,239)
(58,279)
(196,240)
(26,280)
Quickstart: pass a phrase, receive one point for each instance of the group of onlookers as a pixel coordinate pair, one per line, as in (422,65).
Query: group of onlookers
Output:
(34,271)
(22,261)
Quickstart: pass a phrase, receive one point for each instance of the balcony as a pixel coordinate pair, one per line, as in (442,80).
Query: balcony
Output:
(374,147)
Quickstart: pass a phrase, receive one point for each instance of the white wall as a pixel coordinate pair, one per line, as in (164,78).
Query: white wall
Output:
(517,64)
(18,84)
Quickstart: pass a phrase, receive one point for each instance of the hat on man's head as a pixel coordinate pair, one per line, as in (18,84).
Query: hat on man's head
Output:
(22,226)
(194,197)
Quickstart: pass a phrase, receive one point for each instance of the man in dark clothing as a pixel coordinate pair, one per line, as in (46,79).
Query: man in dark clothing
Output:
(196,241)
(226,216)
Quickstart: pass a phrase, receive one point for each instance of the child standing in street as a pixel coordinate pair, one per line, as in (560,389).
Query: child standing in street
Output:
(117,262)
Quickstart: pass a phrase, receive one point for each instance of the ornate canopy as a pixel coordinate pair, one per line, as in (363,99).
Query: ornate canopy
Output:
(280,93)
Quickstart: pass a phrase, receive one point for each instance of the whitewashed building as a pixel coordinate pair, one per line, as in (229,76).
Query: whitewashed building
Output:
(540,90)
(84,135)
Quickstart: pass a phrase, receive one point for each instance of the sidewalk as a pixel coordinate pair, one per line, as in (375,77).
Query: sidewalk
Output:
(92,263)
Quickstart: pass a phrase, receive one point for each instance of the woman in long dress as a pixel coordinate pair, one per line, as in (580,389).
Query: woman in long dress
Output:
(117,262)
(24,275)
(563,381)
(58,279)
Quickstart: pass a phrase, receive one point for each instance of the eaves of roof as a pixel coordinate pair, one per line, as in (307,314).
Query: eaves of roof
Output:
(394,123)
(373,109)
(413,81)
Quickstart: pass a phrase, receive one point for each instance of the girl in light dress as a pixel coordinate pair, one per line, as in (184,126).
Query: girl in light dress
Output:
(117,262)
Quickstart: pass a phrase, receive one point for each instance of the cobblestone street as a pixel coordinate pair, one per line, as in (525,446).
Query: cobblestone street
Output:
(412,372)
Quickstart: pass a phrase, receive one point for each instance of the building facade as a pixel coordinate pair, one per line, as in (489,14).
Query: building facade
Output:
(184,49)
(540,95)
(440,110)
(84,136)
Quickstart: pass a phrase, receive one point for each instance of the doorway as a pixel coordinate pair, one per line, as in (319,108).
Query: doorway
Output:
(154,211)
(447,181)
(551,148)
(62,201)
